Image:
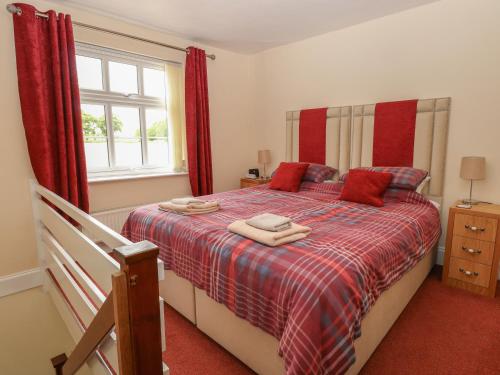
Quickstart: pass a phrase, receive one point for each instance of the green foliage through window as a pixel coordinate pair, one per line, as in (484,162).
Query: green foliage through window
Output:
(94,128)
(158,130)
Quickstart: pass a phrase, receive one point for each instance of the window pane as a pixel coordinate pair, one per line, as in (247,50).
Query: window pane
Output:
(127,132)
(95,136)
(123,78)
(154,82)
(157,136)
(89,72)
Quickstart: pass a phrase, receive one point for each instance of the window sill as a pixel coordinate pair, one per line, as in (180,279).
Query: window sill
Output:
(136,176)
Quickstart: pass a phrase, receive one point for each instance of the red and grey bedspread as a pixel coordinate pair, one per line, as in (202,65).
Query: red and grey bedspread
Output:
(311,294)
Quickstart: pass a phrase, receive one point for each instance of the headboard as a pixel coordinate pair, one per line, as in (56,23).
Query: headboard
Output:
(431,131)
(338,137)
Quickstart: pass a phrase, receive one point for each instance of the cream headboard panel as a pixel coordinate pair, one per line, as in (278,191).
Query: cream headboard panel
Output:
(338,137)
(431,133)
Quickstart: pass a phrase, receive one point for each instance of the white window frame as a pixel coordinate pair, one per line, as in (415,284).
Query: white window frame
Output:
(108,99)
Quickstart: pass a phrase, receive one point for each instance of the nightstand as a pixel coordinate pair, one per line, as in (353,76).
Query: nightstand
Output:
(473,248)
(250,182)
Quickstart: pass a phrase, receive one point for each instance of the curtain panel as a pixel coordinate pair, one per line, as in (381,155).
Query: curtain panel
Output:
(50,102)
(198,123)
(175,115)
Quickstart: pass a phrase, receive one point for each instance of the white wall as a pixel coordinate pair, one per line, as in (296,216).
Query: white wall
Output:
(231,89)
(447,48)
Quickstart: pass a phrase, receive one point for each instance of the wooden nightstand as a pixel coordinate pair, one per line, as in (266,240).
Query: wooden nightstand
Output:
(249,182)
(473,248)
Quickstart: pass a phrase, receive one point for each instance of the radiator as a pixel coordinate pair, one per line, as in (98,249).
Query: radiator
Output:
(114,219)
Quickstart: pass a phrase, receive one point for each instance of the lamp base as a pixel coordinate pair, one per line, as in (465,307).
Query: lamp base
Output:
(470,201)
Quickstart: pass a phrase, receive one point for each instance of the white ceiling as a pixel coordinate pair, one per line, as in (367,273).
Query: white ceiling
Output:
(248,26)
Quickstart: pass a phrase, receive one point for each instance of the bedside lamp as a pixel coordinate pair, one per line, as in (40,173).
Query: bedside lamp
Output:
(472,168)
(264,157)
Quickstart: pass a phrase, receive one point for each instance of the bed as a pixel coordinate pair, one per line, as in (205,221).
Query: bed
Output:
(322,304)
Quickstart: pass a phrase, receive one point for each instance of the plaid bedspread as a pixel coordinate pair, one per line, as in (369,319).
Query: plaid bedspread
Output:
(311,294)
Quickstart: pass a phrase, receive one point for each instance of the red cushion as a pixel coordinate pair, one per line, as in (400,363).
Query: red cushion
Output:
(288,176)
(367,187)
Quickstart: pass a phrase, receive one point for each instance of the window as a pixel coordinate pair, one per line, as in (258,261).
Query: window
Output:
(125,114)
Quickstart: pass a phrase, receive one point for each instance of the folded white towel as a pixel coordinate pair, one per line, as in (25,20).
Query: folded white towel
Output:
(204,208)
(203,205)
(190,213)
(296,232)
(270,222)
(186,200)
(200,212)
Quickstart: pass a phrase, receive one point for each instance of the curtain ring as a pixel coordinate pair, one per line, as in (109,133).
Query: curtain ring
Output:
(13,9)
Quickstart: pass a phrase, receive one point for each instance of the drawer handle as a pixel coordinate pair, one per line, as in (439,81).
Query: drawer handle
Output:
(475,229)
(471,251)
(468,273)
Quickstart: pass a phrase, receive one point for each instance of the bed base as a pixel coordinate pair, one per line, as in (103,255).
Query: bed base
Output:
(259,350)
(179,293)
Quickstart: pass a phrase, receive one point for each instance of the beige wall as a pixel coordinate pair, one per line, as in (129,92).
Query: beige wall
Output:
(17,251)
(448,48)
(26,346)
(231,110)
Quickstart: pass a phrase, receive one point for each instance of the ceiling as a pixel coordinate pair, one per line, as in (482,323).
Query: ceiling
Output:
(248,26)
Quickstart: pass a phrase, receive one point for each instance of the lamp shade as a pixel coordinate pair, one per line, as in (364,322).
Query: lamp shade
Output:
(473,168)
(264,157)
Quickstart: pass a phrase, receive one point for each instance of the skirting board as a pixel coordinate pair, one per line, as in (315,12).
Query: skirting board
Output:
(20,281)
(440,255)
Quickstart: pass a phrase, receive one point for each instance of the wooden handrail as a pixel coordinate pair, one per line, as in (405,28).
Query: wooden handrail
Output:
(133,307)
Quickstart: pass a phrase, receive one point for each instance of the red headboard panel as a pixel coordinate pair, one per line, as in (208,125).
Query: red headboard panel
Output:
(394,133)
(312,135)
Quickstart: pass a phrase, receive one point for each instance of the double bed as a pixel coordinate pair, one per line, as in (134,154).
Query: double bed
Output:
(322,304)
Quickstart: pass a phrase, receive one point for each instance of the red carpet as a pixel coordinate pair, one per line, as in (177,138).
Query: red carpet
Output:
(442,331)
(191,352)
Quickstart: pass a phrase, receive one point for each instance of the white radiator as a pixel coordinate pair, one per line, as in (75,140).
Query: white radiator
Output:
(114,219)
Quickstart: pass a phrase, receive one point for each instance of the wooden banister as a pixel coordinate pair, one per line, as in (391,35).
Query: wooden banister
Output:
(143,328)
(133,307)
(101,325)
(122,328)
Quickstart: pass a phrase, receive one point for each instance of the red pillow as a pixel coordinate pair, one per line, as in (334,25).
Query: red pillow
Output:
(288,176)
(367,187)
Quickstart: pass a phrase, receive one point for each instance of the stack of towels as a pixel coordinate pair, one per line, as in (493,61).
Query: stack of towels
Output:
(269,229)
(189,206)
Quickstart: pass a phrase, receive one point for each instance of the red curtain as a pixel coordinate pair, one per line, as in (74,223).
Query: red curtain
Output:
(198,123)
(50,102)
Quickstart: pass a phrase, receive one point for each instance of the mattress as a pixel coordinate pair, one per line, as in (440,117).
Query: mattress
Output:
(311,294)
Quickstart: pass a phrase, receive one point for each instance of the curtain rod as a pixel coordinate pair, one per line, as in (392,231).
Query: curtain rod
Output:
(11,8)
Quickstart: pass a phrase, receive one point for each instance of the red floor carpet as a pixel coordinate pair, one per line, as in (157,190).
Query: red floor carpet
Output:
(441,331)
